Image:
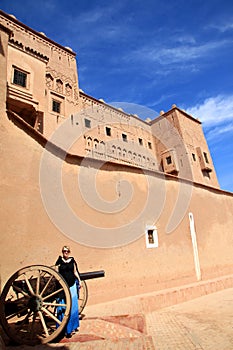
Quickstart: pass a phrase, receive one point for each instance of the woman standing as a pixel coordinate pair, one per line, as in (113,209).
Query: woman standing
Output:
(68,268)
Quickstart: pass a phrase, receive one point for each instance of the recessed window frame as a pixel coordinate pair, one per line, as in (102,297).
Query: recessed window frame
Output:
(20,77)
(140,141)
(206,157)
(169,160)
(108,131)
(87,123)
(56,106)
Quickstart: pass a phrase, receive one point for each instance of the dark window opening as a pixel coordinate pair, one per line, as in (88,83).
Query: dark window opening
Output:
(124,137)
(87,123)
(151,236)
(206,157)
(20,78)
(169,159)
(194,156)
(56,106)
(140,142)
(108,131)
(149,145)
(206,174)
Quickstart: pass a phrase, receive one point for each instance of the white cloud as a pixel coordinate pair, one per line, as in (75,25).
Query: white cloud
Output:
(219,131)
(176,54)
(185,39)
(214,110)
(222,27)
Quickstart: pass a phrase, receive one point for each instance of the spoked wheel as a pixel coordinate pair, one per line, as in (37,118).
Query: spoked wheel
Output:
(30,304)
(82,296)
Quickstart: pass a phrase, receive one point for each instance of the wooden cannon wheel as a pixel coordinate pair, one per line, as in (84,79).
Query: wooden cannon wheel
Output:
(82,297)
(29,304)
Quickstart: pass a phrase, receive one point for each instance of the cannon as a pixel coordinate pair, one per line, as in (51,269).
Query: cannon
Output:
(29,302)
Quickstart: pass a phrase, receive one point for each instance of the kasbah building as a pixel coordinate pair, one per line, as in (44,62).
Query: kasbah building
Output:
(137,199)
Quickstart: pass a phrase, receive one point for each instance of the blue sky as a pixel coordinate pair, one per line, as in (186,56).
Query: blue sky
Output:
(150,53)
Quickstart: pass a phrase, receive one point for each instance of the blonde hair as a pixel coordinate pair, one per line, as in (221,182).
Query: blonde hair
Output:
(66,248)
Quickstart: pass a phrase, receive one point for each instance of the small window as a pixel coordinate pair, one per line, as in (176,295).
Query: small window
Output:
(140,141)
(108,131)
(206,157)
(149,145)
(194,157)
(169,159)
(20,78)
(68,88)
(87,123)
(206,174)
(96,143)
(151,237)
(59,86)
(124,137)
(56,107)
(49,80)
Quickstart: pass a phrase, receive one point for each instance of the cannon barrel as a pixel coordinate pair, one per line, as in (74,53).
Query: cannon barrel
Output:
(92,274)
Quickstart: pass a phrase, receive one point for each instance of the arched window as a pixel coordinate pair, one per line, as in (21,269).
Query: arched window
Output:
(68,89)
(96,144)
(59,86)
(49,80)
(89,142)
(102,146)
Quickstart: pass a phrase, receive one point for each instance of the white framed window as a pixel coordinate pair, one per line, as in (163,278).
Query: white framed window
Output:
(151,236)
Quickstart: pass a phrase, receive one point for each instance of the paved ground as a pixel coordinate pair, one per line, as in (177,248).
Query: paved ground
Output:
(204,323)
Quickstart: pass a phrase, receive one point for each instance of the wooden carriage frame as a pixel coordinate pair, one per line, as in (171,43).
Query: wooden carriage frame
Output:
(30,301)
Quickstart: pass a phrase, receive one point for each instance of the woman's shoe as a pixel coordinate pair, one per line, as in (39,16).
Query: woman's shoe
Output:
(68,335)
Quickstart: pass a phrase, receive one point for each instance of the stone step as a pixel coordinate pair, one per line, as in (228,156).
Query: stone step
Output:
(112,327)
(148,302)
(110,333)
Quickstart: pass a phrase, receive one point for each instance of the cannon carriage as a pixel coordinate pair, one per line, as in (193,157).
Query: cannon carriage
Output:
(30,300)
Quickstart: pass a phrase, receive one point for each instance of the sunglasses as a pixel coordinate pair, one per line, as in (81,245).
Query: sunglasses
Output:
(65,251)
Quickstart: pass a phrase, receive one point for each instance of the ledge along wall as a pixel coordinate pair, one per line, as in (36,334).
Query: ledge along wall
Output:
(28,235)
